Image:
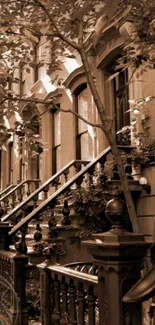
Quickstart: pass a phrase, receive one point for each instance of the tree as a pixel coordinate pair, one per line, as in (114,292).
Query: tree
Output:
(67,26)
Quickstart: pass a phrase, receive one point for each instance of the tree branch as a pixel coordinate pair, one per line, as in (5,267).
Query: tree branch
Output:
(72,112)
(60,35)
(27,100)
(80,38)
(49,102)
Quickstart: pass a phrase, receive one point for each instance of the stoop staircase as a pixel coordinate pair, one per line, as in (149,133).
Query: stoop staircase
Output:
(43,216)
(44,228)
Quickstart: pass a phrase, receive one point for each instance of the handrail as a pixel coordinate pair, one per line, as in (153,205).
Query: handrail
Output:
(63,188)
(7,189)
(41,188)
(17,187)
(143,290)
(65,271)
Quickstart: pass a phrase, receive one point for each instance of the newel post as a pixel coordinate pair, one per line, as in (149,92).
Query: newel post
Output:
(119,256)
(46,289)
(4,238)
(18,297)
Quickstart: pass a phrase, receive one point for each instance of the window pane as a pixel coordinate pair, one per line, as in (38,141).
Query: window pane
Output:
(84,146)
(58,158)
(83,110)
(57,129)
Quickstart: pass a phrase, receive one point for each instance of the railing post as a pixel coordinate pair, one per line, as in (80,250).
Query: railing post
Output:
(119,256)
(44,295)
(19,262)
(46,288)
(4,239)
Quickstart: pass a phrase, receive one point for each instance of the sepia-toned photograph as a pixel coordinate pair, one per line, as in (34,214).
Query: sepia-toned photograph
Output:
(77,162)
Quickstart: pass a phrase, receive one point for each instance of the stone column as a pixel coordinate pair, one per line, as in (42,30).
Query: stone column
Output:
(119,257)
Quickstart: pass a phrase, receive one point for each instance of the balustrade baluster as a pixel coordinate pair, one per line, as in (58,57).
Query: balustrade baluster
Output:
(77,166)
(23,240)
(64,312)
(66,212)
(66,173)
(72,303)
(32,187)
(103,177)
(38,247)
(79,181)
(36,185)
(28,192)
(24,191)
(102,163)
(128,168)
(13,200)
(81,306)
(56,183)
(6,205)
(91,175)
(35,201)
(115,173)
(52,225)
(56,313)
(17,217)
(91,306)
(19,194)
(45,190)
(2,209)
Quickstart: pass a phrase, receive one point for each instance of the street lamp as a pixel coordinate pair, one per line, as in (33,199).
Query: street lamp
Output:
(143,182)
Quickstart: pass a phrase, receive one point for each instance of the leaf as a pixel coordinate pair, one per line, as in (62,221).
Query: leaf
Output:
(4,147)
(113,76)
(71,56)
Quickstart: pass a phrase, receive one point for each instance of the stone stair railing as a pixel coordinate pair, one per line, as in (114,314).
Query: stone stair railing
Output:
(45,211)
(16,195)
(6,190)
(52,183)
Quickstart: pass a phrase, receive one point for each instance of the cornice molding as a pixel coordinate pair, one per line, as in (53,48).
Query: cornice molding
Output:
(73,77)
(57,93)
(37,86)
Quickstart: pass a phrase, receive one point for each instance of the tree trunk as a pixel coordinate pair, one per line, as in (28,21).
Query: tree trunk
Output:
(112,141)
(124,181)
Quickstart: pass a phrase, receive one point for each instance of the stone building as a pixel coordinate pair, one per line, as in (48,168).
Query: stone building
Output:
(66,138)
